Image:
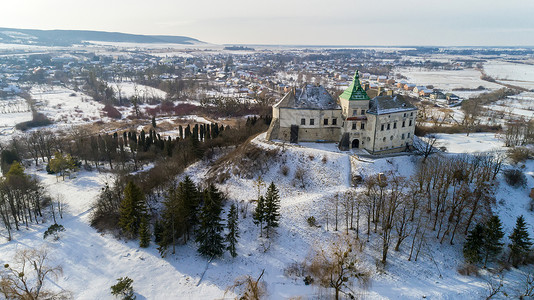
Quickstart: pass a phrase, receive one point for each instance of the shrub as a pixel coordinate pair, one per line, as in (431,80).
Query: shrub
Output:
(123,288)
(112,112)
(54,230)
(325,159)
(515,178)
(518,154)
(311,221)
(308,280)
(468,270)
(294,270)
(284,169)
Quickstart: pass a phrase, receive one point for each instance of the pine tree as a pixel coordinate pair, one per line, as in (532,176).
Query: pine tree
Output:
(492,239)
(144,232)
(473,245)
(153,121)
(272,208)
(190,199)
(131,209)
(210,228)
(259,214)
(233,230)
(520,242)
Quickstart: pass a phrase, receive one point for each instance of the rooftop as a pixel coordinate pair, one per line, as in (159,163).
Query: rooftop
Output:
(308,97)
(355,91)
(381,105)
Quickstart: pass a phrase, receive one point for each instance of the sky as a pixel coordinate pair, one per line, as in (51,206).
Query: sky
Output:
(291,22)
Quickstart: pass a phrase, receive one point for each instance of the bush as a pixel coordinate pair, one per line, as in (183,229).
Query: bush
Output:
(515,178)
(112,112)
(54,230)
(294,270)
(468,270)
(518,154)
(123,288)
(284,169)
(311,221)
(38,120)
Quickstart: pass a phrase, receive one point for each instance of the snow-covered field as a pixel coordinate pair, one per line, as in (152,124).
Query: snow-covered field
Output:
(128,89)
(447,79)
(512,73)
(65,106)
(92,261)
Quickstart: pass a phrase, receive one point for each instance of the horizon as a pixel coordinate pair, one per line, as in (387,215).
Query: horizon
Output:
(384,23)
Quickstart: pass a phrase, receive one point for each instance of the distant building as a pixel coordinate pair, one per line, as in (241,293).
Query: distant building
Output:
(384,124)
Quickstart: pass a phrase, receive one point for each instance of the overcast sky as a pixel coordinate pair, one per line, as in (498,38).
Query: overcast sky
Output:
(311,22)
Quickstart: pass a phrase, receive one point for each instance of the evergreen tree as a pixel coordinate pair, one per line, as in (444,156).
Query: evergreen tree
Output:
(131,209)
(154,121)
(190,199)
(492,239)
(259,214)
(521,243)
(233,230)
(144,232)
(272,208)
(473,245)
(210,228)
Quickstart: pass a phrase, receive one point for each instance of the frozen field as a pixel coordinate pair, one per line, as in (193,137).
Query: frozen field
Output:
(446,79)
(513,73)
(65,106)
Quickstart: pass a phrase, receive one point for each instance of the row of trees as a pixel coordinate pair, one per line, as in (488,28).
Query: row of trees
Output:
(22,200)
(444,198)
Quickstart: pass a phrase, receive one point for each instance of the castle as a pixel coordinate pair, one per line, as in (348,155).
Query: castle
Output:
(384,124)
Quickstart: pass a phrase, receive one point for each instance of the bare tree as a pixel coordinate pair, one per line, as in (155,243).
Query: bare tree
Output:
(252,289)
(337,266)
(25,280)
(426,145)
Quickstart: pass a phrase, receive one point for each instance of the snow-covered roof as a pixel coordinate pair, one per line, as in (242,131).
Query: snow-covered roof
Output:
(381,105)
(308,97)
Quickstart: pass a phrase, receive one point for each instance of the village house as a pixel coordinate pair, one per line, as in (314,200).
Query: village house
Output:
(384,124)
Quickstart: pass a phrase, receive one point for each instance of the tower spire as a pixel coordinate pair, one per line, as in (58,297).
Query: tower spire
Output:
(355,90)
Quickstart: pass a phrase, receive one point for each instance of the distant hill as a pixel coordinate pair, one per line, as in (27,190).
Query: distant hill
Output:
(70,37)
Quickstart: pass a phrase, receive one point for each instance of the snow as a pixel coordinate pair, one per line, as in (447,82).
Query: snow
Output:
(447,79)
(129,89)
(512,73)
(90,259)
(475,142)
(65,106)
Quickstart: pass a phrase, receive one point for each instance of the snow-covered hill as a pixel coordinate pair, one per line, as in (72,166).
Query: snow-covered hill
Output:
(92,261)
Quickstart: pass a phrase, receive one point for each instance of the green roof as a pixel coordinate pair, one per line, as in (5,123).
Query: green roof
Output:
(355,90)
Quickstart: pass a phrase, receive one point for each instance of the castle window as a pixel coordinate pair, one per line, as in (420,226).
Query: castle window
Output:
(325,121)
(363,112)
(312,121)
(384,139)
(355,112)
(411,114)
(389,127)
(402,136)
(334,121)
(353,125)
(405,115)
(394,125)
(362,126)
(391,138)
(403,123)
(410,124)
(382,127)
(408,135)
(302,121)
